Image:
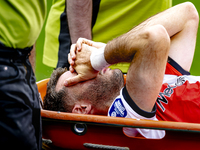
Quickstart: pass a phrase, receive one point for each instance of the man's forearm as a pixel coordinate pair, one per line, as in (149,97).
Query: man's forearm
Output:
(121,49)
(79,16)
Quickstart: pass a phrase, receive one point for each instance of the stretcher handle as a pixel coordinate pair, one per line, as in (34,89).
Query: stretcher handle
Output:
(122,122)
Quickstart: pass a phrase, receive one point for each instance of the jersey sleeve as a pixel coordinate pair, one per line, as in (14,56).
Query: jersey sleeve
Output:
(173,68)
(124,106)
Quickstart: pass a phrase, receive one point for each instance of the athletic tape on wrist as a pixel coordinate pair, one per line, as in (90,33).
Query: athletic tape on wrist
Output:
(97,59)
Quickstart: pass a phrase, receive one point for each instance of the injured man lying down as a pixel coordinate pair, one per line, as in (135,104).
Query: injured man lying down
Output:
(158,83)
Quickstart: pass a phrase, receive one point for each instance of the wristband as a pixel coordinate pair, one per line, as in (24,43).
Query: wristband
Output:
(97,59)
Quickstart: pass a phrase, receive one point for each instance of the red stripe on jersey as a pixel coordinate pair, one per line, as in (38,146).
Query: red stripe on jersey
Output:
(171,70)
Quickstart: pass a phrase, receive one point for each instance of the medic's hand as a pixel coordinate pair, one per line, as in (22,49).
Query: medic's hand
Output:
(80,62)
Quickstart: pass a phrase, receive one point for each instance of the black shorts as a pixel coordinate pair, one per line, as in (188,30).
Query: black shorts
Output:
(20,120)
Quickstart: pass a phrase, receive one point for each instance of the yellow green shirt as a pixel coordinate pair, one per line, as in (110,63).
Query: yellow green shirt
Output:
(52,31)
(21,22)
(117,17)
(114,18)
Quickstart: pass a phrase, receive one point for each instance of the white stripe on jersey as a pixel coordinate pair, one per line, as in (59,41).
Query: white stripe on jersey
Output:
(179,80)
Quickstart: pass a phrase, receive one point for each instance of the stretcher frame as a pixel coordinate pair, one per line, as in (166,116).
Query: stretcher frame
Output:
(76,131)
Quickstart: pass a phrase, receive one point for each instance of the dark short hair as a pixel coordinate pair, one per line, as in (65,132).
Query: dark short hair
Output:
(54,100)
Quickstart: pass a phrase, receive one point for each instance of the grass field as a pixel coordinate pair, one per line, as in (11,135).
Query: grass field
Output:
(42,71)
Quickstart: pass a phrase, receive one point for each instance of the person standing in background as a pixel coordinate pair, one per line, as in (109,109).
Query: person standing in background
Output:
(67,21)
(20,120)
(98,20)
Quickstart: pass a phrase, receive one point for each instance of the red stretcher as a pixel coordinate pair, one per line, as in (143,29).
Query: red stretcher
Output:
(86,132)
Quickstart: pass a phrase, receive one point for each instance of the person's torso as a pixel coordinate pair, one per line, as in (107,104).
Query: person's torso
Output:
(21,22)
(179,99)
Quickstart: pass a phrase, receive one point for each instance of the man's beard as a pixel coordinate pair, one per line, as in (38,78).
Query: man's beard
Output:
(103,91)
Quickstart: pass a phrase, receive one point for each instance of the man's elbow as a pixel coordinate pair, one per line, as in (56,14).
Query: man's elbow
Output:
(158,36)
(190,12)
